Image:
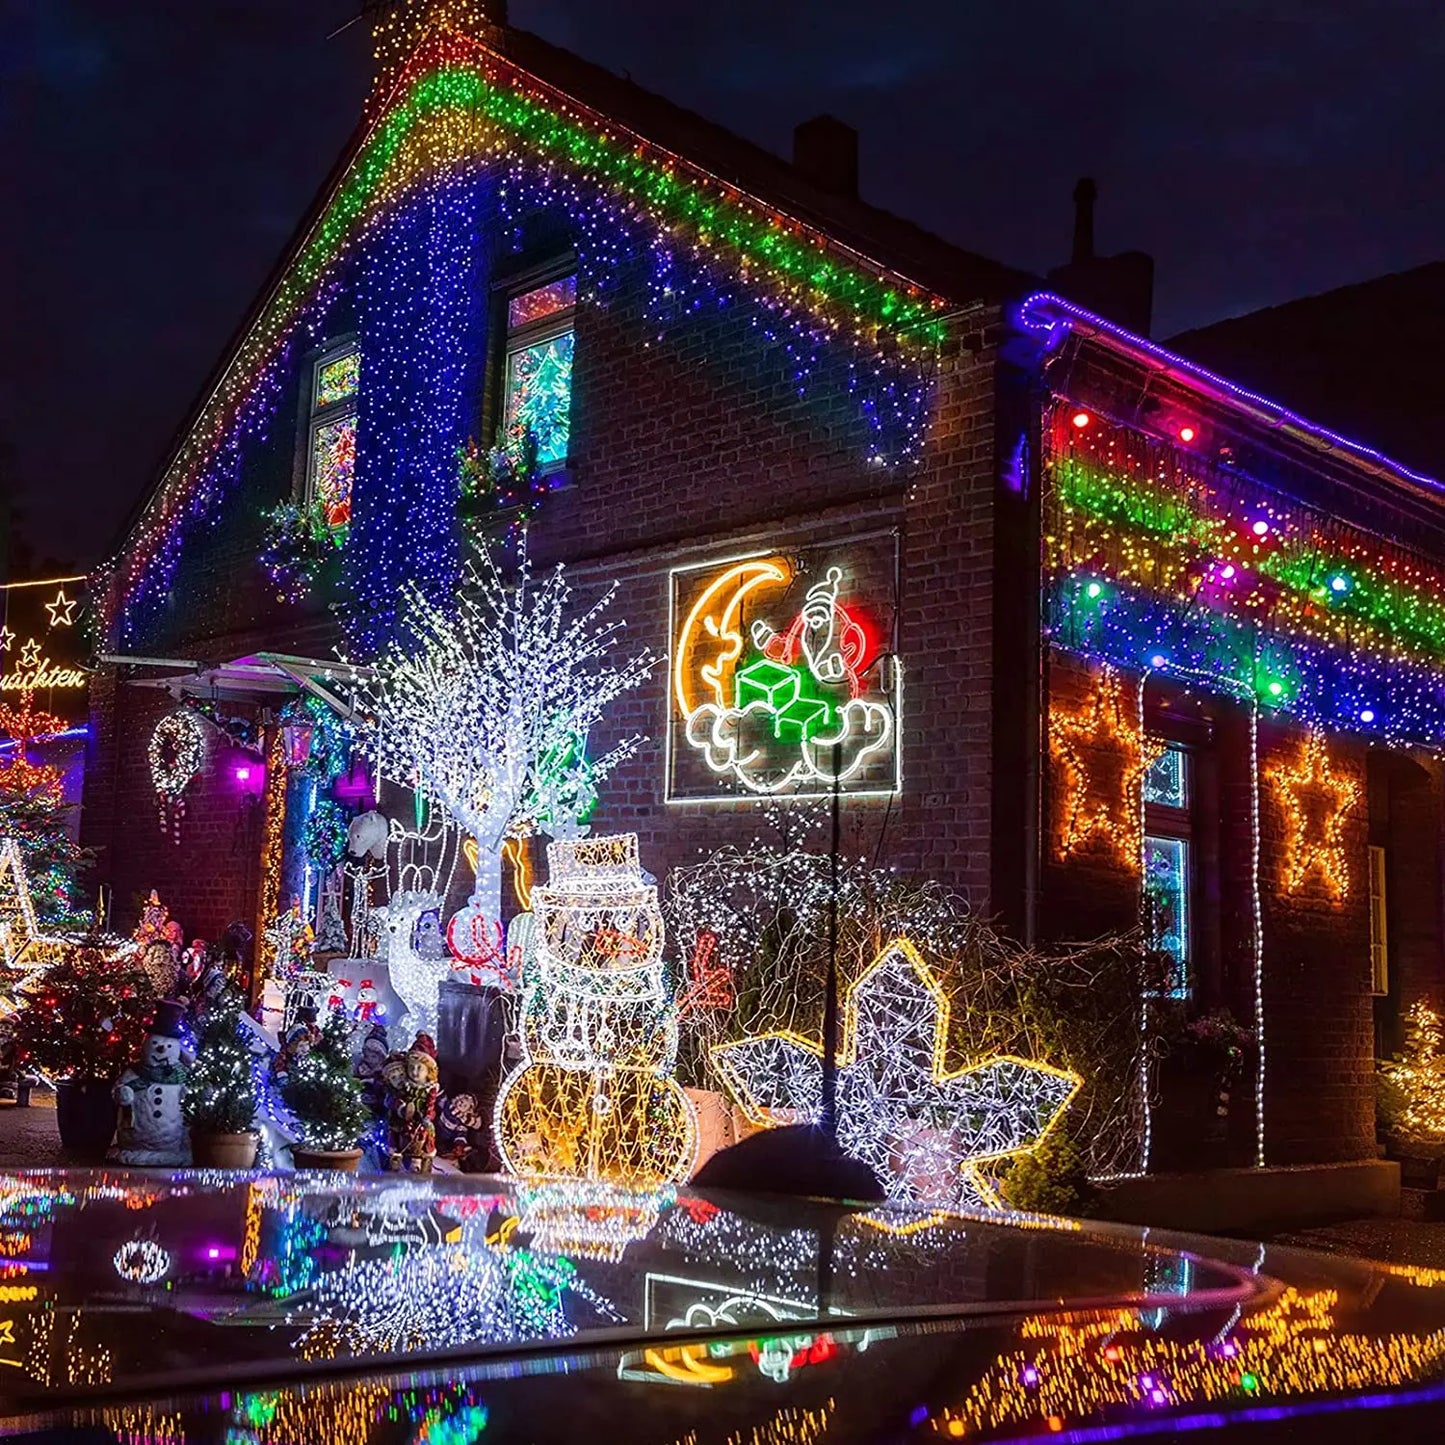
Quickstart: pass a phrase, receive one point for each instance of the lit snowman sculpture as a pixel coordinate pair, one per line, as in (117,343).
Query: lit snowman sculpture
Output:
(152,1127)
(594,1097)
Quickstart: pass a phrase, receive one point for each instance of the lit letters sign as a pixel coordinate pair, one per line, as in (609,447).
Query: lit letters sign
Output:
(779,678)
(41,645)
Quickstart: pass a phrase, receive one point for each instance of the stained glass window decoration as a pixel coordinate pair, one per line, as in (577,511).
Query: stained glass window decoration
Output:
(333,469)
(1166,783)
(1166,903)
(539,394)
(338,379)
(541,302)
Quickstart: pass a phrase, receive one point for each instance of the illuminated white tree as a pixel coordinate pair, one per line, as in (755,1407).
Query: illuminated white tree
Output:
(489,703)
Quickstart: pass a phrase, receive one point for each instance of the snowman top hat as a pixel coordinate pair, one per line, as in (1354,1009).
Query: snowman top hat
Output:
(167,1020)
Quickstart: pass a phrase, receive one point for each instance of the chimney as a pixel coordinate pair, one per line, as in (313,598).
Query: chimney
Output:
(1085,194)
(825,152)
(1119,287)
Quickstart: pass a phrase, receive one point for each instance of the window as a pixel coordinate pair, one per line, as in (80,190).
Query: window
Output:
(1379,940)
(331,435)
(1169,861)
(537,377)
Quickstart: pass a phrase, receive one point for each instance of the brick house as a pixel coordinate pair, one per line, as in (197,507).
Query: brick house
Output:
(753,394)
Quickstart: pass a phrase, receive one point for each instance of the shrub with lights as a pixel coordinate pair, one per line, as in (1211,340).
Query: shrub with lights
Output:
(86,1017)
(1412,1084)
(324,1094)
(220,1093)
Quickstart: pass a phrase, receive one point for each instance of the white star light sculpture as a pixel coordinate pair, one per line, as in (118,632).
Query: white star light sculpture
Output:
(62,610)
(924,1129)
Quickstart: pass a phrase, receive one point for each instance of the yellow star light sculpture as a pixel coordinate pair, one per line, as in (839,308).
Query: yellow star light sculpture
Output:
(1316,802)
(924,1129)
(1101,759)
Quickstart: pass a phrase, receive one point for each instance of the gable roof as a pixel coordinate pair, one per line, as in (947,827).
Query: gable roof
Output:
(463,90)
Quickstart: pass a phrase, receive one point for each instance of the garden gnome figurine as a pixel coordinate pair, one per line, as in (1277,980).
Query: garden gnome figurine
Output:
(411,1097)
(152,1128)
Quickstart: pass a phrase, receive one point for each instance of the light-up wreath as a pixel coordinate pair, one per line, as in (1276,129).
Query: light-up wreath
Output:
(177,750)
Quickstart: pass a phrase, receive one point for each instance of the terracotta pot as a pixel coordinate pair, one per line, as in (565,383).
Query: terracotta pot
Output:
(85,1114)
(346,1160)
(224,1151)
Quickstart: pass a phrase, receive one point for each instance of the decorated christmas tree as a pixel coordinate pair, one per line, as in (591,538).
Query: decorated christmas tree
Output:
(86,1017)
(221,1091)
(34,813)
(324,1094)
(1414,1095)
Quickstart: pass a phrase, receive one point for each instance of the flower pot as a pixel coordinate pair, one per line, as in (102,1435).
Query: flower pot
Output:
(223,1151)
(85,1113)
(346,1160)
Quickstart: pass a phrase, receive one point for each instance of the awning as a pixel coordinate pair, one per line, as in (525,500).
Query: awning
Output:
(257,677)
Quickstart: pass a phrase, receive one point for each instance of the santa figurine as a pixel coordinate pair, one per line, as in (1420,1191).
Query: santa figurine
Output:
(411,1097)
(152,1127)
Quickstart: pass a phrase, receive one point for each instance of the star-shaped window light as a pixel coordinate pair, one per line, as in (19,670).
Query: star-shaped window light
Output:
(924,1129)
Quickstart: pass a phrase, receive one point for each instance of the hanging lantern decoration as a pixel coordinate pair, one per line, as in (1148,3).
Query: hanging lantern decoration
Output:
(296,743)
(177,750)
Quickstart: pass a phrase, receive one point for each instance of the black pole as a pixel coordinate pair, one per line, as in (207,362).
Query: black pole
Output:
(830,992)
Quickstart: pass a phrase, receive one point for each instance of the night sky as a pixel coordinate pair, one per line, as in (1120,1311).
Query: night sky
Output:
(161,151)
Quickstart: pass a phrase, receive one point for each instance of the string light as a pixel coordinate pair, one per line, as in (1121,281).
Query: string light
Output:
(452,108)
(767,710)
(1317,802)
(268,960)
(594,1097)
(177,752)
(922,1127)
(1101,755)
(1419,1076)
(142,1261)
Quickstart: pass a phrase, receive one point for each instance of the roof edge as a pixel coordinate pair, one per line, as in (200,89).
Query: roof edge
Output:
(1049,316)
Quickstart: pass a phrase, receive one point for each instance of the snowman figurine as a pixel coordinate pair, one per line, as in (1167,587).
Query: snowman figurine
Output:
(152,1128)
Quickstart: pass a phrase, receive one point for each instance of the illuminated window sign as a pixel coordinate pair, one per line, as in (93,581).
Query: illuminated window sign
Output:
(782,677)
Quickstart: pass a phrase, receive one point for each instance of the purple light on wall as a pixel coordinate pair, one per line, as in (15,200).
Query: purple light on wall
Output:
(248,774)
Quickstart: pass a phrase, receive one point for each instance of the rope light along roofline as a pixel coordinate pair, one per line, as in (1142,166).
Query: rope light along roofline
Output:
(1045,313)
(454,80)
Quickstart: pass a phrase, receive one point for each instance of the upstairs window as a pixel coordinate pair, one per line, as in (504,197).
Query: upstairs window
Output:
(538,372)
(331,435)
(1169,861)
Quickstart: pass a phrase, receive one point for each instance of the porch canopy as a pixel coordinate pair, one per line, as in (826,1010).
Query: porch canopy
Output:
(257,677)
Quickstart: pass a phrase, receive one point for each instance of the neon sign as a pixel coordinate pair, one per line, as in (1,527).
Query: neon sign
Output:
(40,643)
(779,679)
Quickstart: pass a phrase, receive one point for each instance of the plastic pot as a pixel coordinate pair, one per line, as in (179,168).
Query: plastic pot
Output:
(346,1160)
(85,1114)
(224,1151)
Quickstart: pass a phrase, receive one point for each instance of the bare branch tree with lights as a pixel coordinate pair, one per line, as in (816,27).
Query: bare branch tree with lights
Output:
(488,705)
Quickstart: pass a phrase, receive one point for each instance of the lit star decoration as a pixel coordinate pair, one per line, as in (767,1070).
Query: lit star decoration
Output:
(1101,760)
(30,653)
(6,638)
(1317,801)
(923,1128)
(450,112)
(62,610)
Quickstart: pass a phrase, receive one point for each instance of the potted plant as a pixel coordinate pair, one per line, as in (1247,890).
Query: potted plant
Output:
(324,1094)
(220,1099)
(81,1022)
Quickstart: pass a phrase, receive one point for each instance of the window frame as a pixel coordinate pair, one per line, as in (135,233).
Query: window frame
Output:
(318,415)
(535,333)
(1174,823)
(1379,901)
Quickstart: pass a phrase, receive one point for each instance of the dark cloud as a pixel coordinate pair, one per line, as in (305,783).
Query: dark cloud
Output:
(163,149)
